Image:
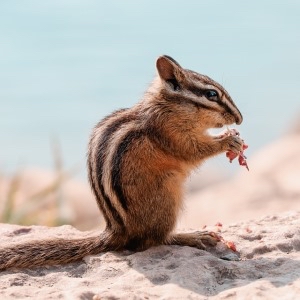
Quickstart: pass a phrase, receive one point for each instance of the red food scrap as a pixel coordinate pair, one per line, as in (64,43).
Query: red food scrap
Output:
(248,230)
(231,155)
(231,246)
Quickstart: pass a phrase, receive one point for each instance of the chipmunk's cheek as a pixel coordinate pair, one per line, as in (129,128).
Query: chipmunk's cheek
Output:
(228,118)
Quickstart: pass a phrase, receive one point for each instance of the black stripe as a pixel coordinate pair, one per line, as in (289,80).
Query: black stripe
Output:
(116,173)
(196,91)
(226,107)
(101,152)
(199,104)
(181,99)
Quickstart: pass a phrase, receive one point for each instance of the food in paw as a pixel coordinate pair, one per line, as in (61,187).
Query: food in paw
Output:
(232,155)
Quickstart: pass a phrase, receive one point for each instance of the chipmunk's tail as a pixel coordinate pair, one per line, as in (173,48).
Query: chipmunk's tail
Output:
(55,251)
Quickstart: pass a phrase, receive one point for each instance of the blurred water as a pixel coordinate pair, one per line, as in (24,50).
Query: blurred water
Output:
(66,64)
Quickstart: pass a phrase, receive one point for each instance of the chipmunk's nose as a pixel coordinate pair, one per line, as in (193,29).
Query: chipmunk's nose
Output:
(238,117)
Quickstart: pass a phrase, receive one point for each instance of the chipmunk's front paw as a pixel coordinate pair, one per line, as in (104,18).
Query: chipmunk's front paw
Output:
(233,143)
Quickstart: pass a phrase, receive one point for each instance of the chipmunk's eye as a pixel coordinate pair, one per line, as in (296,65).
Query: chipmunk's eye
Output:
(211,95)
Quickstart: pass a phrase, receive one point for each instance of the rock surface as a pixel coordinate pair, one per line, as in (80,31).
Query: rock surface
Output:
(269,268)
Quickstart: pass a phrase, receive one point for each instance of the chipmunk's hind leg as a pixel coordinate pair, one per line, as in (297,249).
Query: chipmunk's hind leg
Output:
(198,239)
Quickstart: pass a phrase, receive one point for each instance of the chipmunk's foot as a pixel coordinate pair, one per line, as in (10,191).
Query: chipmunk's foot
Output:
(198,239)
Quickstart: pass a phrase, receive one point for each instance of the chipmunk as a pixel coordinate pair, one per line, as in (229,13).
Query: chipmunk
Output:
(138,160)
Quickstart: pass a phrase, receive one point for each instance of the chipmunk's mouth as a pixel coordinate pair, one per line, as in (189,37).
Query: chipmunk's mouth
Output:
(215,132)
(222,126)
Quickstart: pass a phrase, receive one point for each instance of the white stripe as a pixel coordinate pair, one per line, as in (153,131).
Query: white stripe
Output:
(115,140)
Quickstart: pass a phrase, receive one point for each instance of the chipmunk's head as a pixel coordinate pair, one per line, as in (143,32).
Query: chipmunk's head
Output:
(206,100)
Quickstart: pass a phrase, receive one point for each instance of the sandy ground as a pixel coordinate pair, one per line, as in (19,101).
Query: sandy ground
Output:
(269,267)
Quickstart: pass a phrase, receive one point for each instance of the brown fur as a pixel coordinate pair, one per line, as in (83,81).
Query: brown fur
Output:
(138,160)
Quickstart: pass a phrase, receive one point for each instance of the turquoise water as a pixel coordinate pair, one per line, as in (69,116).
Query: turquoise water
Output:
(66,64)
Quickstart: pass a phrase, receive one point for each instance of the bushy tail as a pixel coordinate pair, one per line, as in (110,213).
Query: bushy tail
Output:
(56,251)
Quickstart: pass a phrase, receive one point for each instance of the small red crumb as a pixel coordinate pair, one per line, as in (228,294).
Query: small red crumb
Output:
(231,246)
(219,224)
(248,230)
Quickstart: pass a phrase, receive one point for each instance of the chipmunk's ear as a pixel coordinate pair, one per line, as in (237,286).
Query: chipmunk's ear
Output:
(169,70)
